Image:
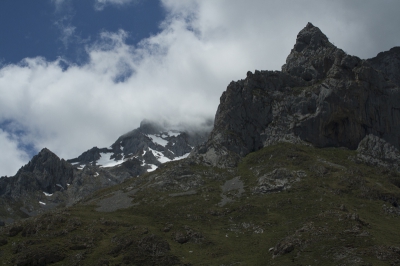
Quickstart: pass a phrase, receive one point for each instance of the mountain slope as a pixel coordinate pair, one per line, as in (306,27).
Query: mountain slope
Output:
(284,204)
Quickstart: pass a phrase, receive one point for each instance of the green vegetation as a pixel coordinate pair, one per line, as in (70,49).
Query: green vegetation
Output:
(338,212)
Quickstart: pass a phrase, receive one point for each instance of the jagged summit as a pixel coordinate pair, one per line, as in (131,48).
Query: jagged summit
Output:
(311,37)
(322,96)
(46,172)
(313,56)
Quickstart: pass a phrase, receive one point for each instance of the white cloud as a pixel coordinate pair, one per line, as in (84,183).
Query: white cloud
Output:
(11,157)
(177,75)
(67,32)
(62,5)
(64,14)
(59,4)
(100,4)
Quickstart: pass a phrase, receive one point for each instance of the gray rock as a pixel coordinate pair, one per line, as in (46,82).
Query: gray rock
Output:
(277,180)
(322,96)
(376,151)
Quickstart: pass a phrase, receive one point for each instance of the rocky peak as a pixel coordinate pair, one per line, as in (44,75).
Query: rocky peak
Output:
(314,58)
(312,38)
(322,97)
(45,172)
(44,159)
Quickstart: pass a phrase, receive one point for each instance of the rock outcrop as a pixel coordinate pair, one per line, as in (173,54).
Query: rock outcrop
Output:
(376,151)
(46,172)
(322,97)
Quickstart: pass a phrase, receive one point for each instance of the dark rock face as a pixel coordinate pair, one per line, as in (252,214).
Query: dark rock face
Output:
(322,96)
(45,172)
(389,64)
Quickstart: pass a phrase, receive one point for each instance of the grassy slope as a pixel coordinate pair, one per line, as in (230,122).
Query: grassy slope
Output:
(333,216)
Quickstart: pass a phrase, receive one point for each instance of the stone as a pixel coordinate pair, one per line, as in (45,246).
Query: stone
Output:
(277,180)
(181,237)
(378,152)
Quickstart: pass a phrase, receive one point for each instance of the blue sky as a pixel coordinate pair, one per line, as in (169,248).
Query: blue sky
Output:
(62,28)
(79,73)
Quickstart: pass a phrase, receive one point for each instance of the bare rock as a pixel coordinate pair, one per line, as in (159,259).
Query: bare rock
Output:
(277,180)
(376,151)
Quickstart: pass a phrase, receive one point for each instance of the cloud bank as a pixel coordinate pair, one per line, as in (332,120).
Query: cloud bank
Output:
(177,75)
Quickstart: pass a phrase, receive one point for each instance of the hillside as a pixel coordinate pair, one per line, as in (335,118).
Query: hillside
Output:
(283,205)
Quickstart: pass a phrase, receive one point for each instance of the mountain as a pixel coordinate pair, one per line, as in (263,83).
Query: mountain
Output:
(322,96)
(151,144)
(300,168)
(47,181)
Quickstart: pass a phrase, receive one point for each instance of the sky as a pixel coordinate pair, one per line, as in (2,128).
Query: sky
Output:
(75,74)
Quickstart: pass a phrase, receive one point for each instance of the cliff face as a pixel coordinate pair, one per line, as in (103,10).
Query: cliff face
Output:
(322,97)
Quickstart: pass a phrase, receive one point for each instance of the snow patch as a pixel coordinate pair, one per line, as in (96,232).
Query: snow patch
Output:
(181,157)
(158,140)
(173,134)
(153,168)
(160,157)
(47,194)
(42,203)
(106,161)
